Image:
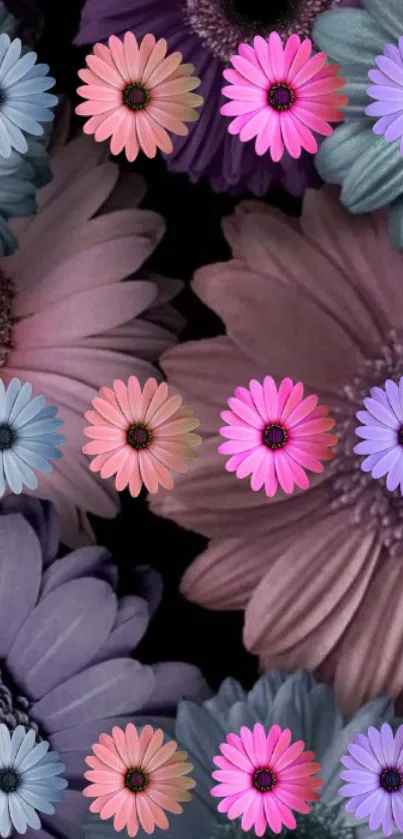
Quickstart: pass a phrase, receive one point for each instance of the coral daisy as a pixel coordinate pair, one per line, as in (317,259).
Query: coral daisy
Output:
(77,309)
(374,775)
(29,780)
(24,104)
(136,92)
(263,778)
(388,91)
(274,434)
(28,439)
(140,435)
(382,433)
(280,95)
(135,777)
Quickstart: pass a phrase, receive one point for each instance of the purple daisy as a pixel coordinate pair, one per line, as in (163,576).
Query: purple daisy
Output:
(382,433)
(65,645)
(388,91)
(374,775)
(207,33)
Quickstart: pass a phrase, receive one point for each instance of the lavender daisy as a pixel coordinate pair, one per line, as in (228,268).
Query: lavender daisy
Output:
(388,92)
(374,775)
(382,433)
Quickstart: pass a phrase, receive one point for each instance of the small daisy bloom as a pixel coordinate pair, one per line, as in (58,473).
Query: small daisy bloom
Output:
(28,780)
(275,434)
(135,776)
(28,439)
(140,435)
(136,94)
(263,778)
(374,776)
(24,104)
(388,92)
(382,433)
(280,95)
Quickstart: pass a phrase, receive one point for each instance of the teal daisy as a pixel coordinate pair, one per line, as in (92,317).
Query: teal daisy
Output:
(368,168)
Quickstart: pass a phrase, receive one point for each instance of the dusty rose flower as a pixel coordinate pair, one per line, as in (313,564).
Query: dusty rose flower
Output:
(319,574)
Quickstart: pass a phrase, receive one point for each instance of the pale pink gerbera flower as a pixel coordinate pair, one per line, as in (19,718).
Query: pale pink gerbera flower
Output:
(275,434)
(140,435)
(263,778)
(135,94)
(280,95)
(319,574)
(68,322)
(135,776)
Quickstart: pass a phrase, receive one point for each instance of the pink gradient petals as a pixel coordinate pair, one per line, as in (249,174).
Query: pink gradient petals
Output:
(262,778)
(134,93)
(135,777)
(274,434)
(140,435)
(279,95)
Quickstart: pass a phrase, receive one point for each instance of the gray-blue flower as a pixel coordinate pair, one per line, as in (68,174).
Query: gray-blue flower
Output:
(293,701)
(368,169)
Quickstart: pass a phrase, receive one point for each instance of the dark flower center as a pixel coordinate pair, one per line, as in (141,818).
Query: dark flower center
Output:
(14,707)
(280,97)
(222,25)
(264,780)
(135,97)
(391,780)
(400,436)
(275,436)
(7,436)
(136,780)
(139,436)
(9,780)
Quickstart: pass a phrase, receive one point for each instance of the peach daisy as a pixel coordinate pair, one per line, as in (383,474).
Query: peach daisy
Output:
(136,93)
(135,776)
(280,95)
(263,777)
(140,435)
(274,435)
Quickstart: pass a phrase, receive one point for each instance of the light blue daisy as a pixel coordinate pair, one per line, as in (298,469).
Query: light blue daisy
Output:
(367,167)
(29,780)
(296,702)
(24,104)
(27,437)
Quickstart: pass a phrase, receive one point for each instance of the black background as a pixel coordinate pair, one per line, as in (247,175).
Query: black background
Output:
(180,630)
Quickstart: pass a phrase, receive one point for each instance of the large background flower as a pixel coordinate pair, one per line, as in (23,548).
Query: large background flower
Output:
(296,702)
(313,300)
(206,35)
(65,647)
(369,169)
(77,326)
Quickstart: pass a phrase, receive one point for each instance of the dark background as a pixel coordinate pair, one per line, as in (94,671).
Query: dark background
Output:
(180,630)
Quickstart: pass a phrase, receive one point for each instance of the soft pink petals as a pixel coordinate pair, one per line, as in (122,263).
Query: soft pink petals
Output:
(137,796)
(140,435)
(257,770)
(268,91)
(161,87)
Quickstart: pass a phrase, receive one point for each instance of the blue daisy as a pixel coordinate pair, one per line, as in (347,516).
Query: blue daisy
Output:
(27,437)
(29,780)
(368,168)
(24,104)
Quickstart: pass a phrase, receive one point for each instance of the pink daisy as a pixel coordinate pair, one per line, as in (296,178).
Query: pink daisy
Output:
(263,778)
(274,434)
(140,435)
(135,776)
(136,93)
(280,95)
